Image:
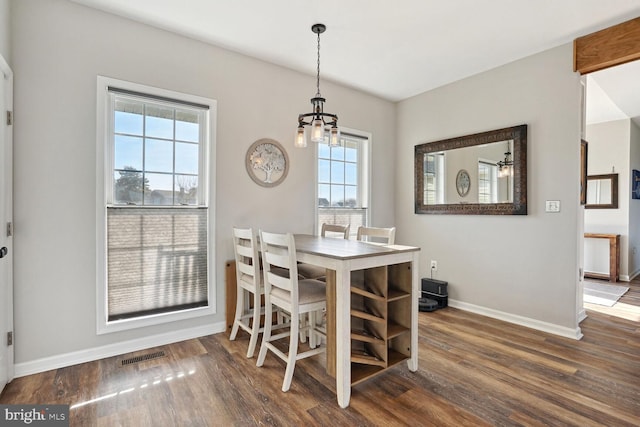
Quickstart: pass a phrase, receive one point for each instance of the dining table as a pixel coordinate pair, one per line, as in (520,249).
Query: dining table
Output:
(341,257)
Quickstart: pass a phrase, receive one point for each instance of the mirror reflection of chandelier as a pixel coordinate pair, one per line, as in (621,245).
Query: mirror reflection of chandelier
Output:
(318,119)
(505,167)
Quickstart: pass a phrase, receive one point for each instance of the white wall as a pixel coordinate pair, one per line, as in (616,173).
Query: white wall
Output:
(634,205)
(58,49)
(5,31)
(523,268)
(609,148)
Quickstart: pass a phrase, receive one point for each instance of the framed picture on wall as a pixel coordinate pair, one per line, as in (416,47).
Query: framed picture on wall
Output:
(267,162)
(635,184)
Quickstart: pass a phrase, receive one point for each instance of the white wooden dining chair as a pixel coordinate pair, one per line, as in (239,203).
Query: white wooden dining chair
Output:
(335,230)
(309,271)
(249,285)
(377,235)
(292,295)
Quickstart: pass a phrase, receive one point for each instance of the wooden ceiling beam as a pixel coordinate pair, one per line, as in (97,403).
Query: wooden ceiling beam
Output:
(605,48)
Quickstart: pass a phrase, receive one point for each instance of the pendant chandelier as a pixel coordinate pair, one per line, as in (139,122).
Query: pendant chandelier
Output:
(318,119)
(505,166)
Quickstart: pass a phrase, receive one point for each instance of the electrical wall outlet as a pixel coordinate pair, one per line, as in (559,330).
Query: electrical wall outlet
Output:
(434,265)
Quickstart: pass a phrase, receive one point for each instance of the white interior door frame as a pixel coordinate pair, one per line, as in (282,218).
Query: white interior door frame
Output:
(6,216)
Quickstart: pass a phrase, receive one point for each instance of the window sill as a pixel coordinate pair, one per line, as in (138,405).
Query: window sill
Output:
(152,320)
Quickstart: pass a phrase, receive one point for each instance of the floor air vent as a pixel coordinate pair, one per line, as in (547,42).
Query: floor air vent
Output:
(142,358)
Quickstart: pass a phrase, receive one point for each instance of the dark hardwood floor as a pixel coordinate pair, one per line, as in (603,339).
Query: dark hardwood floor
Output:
(632,297)
(474,371)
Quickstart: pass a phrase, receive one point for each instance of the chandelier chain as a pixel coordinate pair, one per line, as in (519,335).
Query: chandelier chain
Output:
(318,73)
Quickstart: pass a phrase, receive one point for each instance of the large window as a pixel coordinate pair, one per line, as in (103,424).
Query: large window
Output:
(156,260)
(343,182)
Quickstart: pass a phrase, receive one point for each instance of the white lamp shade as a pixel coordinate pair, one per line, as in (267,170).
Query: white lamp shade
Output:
(301,141)
(317,131)
(334,140)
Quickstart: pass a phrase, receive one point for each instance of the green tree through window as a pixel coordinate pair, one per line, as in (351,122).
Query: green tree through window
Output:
(130,187)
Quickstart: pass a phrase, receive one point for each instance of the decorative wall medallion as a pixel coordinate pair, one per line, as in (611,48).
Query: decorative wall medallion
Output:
(463,182)
(267,162)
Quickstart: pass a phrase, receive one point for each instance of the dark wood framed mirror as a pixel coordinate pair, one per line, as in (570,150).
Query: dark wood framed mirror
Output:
(480,174)
(602,191)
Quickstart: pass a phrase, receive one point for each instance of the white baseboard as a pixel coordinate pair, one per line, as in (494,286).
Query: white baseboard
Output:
(91,354)
(582,315)
(551,328)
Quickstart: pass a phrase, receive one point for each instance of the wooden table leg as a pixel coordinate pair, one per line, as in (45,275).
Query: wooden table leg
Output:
(343,335)
(614,258)
(416,288)
(331,323)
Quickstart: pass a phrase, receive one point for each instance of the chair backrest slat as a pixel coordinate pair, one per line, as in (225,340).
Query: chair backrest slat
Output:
(245,268)
(246,251)
(377,234)
(327,229)
(279,281)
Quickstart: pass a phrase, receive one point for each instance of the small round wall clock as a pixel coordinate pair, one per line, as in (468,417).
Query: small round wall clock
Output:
(267,162)
(463,182)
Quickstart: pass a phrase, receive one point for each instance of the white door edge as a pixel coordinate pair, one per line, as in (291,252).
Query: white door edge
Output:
(6,310)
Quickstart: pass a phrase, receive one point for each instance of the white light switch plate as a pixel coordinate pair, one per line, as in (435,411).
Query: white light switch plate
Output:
(552,206)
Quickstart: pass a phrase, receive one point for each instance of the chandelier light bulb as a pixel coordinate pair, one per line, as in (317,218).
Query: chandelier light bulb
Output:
(301,141)
(334,140)
(317,130)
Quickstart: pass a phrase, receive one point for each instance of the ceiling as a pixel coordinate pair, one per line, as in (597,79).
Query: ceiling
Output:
(393,50)
(614,94)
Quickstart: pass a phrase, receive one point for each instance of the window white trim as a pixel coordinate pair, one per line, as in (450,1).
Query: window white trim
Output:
(364,176)
(103,187)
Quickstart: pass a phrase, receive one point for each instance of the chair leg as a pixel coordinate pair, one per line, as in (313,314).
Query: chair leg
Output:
(313,343)
(303,331)
(266,336)
(291,357)
(255,327)
(239,311)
